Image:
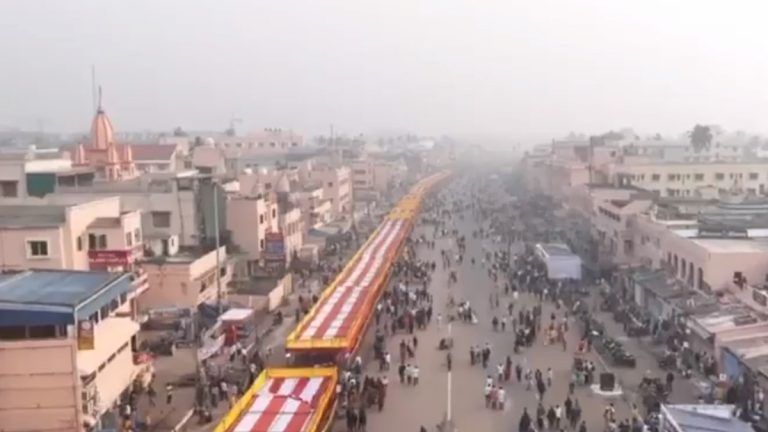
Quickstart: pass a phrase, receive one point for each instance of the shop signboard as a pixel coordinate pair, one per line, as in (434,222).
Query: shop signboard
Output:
(86,338)
(274,247)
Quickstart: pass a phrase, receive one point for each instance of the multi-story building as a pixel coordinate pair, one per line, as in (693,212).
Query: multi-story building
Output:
(373,179)
(66,348)
(692,179)
(265,141)
(92,235)
(336,189)
(249,219)
(21,178)
(176,207)
(186,278)
(156,158)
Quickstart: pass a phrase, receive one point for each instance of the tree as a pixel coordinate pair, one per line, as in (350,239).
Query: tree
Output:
(179,132)
(701,137)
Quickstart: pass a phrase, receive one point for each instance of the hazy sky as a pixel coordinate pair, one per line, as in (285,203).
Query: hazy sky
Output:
(530,68)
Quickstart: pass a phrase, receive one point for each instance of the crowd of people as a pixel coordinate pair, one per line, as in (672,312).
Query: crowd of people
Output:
(522,300)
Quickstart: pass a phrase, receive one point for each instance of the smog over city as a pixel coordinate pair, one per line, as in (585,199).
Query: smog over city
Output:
(528,71)
(383,216)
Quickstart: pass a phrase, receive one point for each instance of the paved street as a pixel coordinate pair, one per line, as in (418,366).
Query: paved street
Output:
(407,408)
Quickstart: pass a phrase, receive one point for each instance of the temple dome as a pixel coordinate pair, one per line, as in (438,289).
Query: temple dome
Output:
(101,130)
(283,185)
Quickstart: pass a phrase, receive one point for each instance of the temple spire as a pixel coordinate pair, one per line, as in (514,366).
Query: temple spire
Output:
(99,109)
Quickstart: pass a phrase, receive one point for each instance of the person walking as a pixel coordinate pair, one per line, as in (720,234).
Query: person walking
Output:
(540,413)
(551,417)
(362,418)
(151,393)
(168,394)
(525,421)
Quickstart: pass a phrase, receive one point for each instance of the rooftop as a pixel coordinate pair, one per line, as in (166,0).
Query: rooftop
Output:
(726,246)
(50,287)
(706,418)
(153,152)
(186,255)
(32,216)
(105,222)
(555,249)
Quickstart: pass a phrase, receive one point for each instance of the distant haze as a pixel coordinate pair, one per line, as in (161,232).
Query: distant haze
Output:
(528,69)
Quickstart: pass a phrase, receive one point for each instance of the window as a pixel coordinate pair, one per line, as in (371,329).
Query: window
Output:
(261,244)
(274,212)
(137,236)
(719,176)
(13,333)
(128,239)
(655,177)
(42,332)
(185,184)
(261,218)
(9,189)
(37,248)
(79,243)
(91,241)
(698,177)
(161,219)
(102,241)
(671,177)
(330,184)
(753,176)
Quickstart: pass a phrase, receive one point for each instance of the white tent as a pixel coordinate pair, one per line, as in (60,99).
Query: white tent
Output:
(560,261)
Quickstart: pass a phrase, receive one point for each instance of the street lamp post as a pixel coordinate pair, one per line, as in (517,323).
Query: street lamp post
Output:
(219,305)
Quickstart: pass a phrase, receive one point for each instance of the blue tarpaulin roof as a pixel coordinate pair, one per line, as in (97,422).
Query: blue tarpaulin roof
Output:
(53,296)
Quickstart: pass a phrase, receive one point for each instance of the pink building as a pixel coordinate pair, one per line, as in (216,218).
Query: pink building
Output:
(66,348)
(92,235)
(186,279)
(713,263)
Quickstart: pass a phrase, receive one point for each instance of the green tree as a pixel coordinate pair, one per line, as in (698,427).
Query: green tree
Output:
(701,137)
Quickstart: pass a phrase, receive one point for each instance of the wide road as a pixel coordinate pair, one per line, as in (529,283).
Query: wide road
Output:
(409,407)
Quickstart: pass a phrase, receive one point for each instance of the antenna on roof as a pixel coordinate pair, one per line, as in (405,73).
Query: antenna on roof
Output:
(94,102)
